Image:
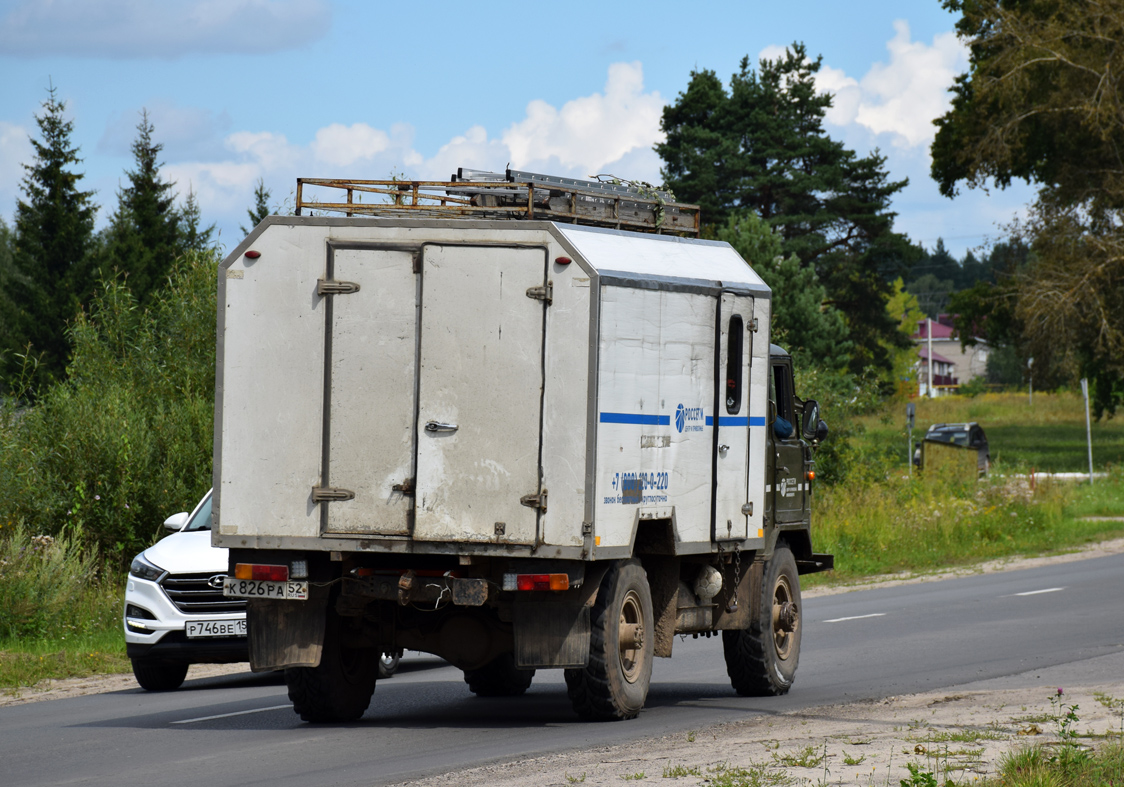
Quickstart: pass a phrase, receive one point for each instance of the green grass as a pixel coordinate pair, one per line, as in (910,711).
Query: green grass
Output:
(1048,436)
(924,524)
(25,663)
(1040,767)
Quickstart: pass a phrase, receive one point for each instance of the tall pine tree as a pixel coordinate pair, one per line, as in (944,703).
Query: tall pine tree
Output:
(51,271)
(146,233)
(761,146)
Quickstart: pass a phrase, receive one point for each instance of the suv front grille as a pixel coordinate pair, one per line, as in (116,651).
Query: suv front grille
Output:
(193,595)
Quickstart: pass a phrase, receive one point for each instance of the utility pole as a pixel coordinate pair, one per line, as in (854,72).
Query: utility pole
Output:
(1088,427)
(1030,378)
(929,331)
(910,411)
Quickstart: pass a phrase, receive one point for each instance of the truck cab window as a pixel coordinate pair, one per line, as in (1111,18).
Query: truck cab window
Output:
(781,390)
(734,366)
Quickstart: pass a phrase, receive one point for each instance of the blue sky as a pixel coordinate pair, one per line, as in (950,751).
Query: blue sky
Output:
(280,89)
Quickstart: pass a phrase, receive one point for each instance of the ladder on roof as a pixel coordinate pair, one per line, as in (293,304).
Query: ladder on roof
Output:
(512,194)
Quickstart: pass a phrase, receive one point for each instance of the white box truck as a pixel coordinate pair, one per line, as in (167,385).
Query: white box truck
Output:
(514,421)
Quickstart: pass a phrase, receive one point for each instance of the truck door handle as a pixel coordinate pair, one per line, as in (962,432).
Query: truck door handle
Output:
(722,449)
(435,426)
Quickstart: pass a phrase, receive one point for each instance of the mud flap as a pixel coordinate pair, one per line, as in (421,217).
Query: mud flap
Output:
(285,633)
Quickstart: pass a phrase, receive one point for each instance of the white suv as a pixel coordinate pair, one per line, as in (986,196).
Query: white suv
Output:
(175,612)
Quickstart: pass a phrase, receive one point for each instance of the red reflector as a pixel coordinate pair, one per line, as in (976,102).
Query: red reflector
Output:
(253,255)
(563,260)
(542,582)
(269,573)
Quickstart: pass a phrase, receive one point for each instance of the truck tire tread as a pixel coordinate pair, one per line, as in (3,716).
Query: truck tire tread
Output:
(599,692)
(752,663)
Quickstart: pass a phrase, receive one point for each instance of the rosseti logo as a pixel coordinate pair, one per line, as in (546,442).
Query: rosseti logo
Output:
(689,419)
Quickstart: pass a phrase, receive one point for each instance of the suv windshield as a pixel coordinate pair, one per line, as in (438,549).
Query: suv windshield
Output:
(202,518)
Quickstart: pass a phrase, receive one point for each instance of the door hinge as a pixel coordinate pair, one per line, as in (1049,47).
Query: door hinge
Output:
(753,325)
(333,287)
(535,501)
(747,509)
(331,494)
(406,487)
(542,293)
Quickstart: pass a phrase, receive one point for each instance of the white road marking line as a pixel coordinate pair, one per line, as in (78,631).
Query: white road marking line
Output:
(1036,592)
(228,715)
(857,617)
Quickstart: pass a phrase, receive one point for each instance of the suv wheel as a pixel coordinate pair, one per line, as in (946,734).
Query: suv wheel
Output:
(155,675)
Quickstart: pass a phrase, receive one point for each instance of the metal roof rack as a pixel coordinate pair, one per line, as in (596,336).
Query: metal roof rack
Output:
(512,194)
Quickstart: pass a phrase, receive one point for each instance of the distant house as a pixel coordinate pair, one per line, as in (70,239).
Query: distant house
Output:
(952,365)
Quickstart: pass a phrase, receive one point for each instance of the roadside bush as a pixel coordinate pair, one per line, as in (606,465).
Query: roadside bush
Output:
(127,437)
(52,587)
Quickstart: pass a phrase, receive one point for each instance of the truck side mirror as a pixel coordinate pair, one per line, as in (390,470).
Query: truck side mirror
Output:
(810,420)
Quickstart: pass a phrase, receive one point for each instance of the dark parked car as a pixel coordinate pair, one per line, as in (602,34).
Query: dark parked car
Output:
(969,436)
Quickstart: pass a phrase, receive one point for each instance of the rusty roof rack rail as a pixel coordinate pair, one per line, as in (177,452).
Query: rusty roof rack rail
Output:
(508,195)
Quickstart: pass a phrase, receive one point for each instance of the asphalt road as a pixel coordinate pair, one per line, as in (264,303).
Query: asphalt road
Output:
(1000,628)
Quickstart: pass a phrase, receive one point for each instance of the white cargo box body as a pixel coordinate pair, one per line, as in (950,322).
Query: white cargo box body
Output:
(489,387)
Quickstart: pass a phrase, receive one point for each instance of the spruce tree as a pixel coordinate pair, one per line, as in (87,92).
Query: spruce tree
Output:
(51,272)
(146,233)
(194,237)
(761,146)
(260,209)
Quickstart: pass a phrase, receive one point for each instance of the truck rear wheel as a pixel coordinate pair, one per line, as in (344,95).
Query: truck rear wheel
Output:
(340,688)
(614,684)
(499,678)
(761,660)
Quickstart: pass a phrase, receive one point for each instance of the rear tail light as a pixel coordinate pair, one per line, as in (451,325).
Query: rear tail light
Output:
(536,582)
(260,572)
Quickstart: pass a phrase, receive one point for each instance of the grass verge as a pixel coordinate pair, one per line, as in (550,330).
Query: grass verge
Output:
(921,524)
(25,663)
(1039,767)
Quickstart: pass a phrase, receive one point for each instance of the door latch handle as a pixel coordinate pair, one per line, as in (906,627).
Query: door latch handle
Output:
(436,426)
(722,449)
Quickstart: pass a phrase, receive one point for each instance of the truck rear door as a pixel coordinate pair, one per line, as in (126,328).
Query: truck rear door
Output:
(480,383)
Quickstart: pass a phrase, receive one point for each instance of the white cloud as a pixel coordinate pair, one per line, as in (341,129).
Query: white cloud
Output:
(185,132)
(593,131)
(15,150)
(610,131)
(901,97)
(341,145)
(125,29)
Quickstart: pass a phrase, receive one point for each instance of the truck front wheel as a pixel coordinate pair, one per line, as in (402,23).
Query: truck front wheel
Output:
(761,660)
(499,678)
(340,688)
(614,684)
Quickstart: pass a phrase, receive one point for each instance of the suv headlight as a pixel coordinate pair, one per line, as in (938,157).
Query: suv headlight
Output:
(145,570)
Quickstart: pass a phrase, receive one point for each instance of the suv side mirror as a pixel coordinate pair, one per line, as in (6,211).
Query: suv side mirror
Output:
(176,522)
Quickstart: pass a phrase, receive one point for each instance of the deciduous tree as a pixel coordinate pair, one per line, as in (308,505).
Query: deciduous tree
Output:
(1042,102)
